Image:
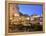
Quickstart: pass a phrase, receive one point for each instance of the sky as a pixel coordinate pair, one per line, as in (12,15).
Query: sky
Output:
(30,9)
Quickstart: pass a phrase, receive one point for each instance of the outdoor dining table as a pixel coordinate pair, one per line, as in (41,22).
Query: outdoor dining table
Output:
(26,26)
